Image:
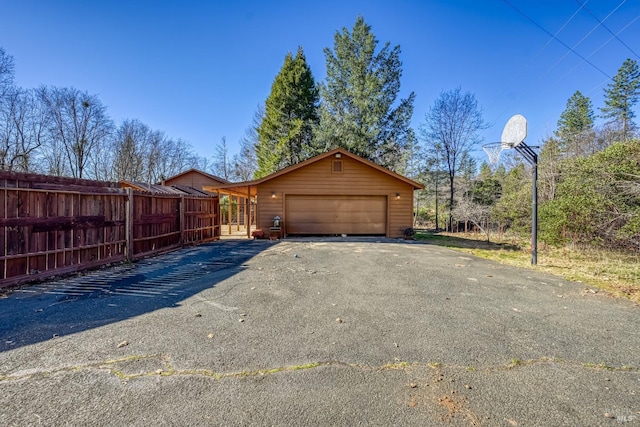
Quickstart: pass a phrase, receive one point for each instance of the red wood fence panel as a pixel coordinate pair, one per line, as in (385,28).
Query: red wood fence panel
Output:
(201,222)
(51,225)
(156,223)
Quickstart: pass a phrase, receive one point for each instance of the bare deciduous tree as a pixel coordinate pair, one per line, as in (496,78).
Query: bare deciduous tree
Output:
(6,73)
(167,157)
(467,210)
(221,162)
(23,126)
(148,156)
(79,123)
(129,145)
(450,131)
(245,162)
(101,162)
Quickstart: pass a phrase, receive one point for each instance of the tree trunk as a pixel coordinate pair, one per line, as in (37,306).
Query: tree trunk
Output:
(437,218)
(451,203)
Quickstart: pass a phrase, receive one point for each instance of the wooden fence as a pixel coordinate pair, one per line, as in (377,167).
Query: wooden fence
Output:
(51,226)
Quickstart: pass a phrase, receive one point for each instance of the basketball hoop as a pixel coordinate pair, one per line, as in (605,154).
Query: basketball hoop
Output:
(493,151)
(513,136)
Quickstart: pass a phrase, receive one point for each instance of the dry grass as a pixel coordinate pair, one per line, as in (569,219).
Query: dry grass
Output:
(617,273)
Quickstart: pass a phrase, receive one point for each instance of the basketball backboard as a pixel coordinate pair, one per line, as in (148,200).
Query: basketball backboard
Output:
(515,131)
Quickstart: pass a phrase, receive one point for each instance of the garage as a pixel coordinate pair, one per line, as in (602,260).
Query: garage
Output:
(333,193)
(322,215)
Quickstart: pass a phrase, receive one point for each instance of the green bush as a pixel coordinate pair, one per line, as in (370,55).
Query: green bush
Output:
(597,199)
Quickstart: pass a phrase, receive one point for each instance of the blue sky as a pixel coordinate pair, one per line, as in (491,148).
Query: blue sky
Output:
(198,69)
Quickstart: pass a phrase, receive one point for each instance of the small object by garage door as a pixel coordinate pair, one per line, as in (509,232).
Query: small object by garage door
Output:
(274,232)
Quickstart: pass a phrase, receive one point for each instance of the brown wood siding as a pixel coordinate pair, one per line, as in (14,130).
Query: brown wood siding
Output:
(318,179)
(192,179)
(311,214)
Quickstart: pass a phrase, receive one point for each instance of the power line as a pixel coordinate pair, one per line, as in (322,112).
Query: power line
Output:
(590,91)
(563,25)
(586,36)
(602,45)
(607,28)
(556,38)
(582,5)
(497,97)
(548,120)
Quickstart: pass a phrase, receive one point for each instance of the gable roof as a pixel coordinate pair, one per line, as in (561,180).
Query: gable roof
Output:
(241,186)
(198,171)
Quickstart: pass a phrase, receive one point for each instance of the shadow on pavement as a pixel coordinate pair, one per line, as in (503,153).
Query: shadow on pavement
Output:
(450,241)
(43,311)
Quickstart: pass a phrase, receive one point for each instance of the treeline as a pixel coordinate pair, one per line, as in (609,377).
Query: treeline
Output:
(65,131)
(589,177)
(68,132)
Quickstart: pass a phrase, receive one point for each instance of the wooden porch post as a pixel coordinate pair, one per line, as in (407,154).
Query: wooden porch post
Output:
(247,211)
(257,210)
(218,220)
(238,206)
(229,211)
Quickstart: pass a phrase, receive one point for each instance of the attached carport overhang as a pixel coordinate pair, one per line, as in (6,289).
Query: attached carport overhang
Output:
(244,190)
(249,190)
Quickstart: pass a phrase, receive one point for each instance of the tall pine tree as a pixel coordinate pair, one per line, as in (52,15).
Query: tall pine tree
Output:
(359,111)
(621,95)
(575,127)
(285,134)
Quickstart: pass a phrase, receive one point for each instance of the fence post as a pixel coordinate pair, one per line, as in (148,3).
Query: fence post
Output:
(129,223)
(182,218)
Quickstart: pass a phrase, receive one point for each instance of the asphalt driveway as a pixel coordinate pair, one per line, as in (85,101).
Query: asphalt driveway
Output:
(317,332)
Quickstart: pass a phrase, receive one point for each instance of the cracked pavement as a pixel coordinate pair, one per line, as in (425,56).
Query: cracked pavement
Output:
(317,332)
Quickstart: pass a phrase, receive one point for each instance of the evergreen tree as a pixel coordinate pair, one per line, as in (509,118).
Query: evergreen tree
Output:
(286,131)
(621,95)
(513,209)
(358,98)
(575,127)
(486,189)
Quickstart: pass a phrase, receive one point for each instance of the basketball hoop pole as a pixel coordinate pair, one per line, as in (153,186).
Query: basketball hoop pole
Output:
(531,156)
(513,136)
